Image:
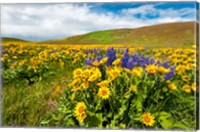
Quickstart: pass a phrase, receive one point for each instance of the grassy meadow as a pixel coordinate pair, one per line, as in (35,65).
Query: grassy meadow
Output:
(142,78)
(99,85)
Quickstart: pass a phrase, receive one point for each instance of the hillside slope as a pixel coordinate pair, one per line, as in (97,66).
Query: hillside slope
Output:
(9,39)
(170,34)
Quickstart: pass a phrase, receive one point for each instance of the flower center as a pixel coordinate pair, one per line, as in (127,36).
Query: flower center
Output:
(81,109)
(78,73)
(147,119)
(104,92)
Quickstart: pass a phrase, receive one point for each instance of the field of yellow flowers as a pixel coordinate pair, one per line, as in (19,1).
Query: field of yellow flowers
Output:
(99,86)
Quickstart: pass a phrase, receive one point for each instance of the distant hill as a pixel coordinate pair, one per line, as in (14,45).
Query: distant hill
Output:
(9,39)
(180,33)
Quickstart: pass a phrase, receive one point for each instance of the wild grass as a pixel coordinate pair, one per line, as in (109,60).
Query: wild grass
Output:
(26,105)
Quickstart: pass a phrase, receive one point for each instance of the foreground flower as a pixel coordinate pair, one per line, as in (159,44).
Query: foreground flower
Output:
(95,63)
(80,111)
(163,70)
(72,96)
(85,85)
(151,69)
(82,117)
(194,88)
(185,78)
(86,73)
(74,82)
(187,88)
(104,83)
(122,125)
(116,62)
(93,78)
(172,86)
(133,88)
(104,60)
(77,72)
(137,71)
(104,93)
(148,119)
(80,107)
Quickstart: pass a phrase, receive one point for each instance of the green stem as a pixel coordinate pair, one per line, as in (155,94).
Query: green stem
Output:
(111,106)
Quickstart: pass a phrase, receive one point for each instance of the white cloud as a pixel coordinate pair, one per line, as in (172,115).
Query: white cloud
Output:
(52,21)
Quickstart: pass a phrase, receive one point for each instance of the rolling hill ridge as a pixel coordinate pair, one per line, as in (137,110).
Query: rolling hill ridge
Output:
(10,39)
(181,33)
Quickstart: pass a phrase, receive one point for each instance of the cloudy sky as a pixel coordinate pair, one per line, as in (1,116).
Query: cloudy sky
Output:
(54,21)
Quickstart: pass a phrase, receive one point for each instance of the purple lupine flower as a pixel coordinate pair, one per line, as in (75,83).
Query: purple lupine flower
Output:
(111,54)
(170,74)
(142,61)
(127,50)
(152,61)
(88,62)
(99,57)
(94,50)
(135,58)
(87,51)
(158,63)
(166,64)
(130,64)
(124,59)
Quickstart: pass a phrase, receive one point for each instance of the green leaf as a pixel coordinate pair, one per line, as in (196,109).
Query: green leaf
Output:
(90,113)
(110,114)
(100,117)
(45,122)
(121,111)
(165,89)
(166,120)
(127,95)
(94,121)
(180,125)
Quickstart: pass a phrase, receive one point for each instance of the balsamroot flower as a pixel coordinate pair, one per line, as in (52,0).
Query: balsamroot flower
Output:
(79,111)
(172,86)
(187,88)
(148,119)
(104,93)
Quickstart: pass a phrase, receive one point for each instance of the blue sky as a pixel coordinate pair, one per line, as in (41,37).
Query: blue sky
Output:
(117,7)
(53,21)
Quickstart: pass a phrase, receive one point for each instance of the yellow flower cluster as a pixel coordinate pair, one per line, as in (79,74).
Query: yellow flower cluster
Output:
(152,69)
(79,111)
(113,73)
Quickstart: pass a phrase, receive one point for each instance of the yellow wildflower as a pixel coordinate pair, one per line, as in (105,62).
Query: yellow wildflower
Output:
(187,88)
(104,93)
(151,69)
(148,119)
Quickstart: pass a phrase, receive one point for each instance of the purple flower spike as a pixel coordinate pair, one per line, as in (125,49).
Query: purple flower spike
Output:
(111,54)
(166,64)
(131,64)
(88,62)
(170,74)
(125,58)
(99,57)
